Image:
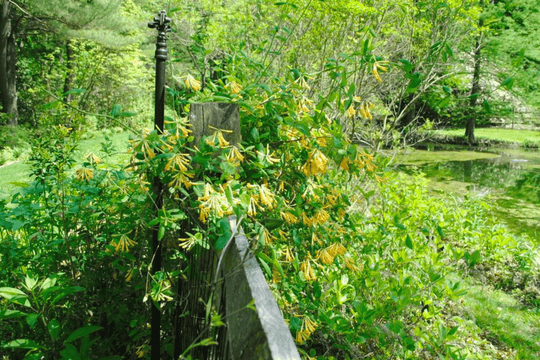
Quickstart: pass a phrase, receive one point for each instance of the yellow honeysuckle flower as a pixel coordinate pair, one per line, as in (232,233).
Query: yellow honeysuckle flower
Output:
(252,207)
(93,158)
(325,257)
(336,249)
(84,174)
(181,179)
(321,217)
(192,83)
(188,243)
(235,154)
(267,156)
(302,82)
(180,161)
(289,256)
(129,275)
(309,273)
(221,140)
(316,164)
(332,199)
(288,217)
(268,237)
(350,112)
(344,164)
(307,221)
(349,263)
(267,197)
(234,87)
(123,243)
(376,74)
(315,238)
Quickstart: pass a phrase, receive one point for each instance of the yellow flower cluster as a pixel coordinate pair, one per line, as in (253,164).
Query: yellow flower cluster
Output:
(304,105)
(328,254)
(288,217)
(366,160)
(213,201)
(302,83)
(268,237)
(349,263)
(307,328)
(123,244)
(178,161)
(267,156)
(350,112)
(364,110)
(379,65)
(189,242)
(93,158)
(234,87)
(289,256)
(180,179)
(84,174)
(192,83)
(222,143)
(309,273)
(316,164)
(321,217)
(234,156)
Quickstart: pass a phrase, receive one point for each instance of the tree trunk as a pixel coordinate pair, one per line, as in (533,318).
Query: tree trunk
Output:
(8,60)
(69,72)
(475,88)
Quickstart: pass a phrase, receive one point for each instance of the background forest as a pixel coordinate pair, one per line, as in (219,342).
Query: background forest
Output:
(362,260)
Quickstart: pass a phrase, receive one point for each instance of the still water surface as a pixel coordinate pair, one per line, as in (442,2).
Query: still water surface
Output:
(511,177)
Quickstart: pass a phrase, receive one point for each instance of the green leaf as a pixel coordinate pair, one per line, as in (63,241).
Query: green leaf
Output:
(487,105)
(409,243)
(447,90)
(30,282)
(54,328)
(65,292)
(20,184)
(226,234)
(83,331)
(22,344)
(74,91)
(70,353)
(9,314)
(9,292)
(161,231)
(508,83)
(31,320)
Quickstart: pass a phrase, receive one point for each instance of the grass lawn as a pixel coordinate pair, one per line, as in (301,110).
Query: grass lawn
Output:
(19,171)
(503,318)
(508,135)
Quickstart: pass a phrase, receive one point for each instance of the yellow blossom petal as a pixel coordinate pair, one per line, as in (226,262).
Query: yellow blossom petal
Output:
(192,83)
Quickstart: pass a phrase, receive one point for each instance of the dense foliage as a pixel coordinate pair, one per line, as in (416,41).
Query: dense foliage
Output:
(361,260)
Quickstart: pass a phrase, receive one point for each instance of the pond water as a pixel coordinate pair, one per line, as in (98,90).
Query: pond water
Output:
(511,177)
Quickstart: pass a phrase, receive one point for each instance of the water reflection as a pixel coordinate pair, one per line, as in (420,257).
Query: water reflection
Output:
(513,178)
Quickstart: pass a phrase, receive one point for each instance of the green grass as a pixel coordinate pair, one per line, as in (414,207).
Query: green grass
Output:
(503,318)
(19,171)
(521,137)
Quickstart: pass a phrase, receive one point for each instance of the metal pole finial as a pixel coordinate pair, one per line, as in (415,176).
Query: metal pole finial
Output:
(161,23)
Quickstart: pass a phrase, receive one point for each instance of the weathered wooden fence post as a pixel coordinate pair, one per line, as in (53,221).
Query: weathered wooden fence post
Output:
(160,22)
(206,118)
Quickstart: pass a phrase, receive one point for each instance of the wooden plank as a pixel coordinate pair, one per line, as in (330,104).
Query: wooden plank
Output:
(207,117)
(260,334)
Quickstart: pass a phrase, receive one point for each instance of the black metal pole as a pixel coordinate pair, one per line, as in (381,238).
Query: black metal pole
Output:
(160,22)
